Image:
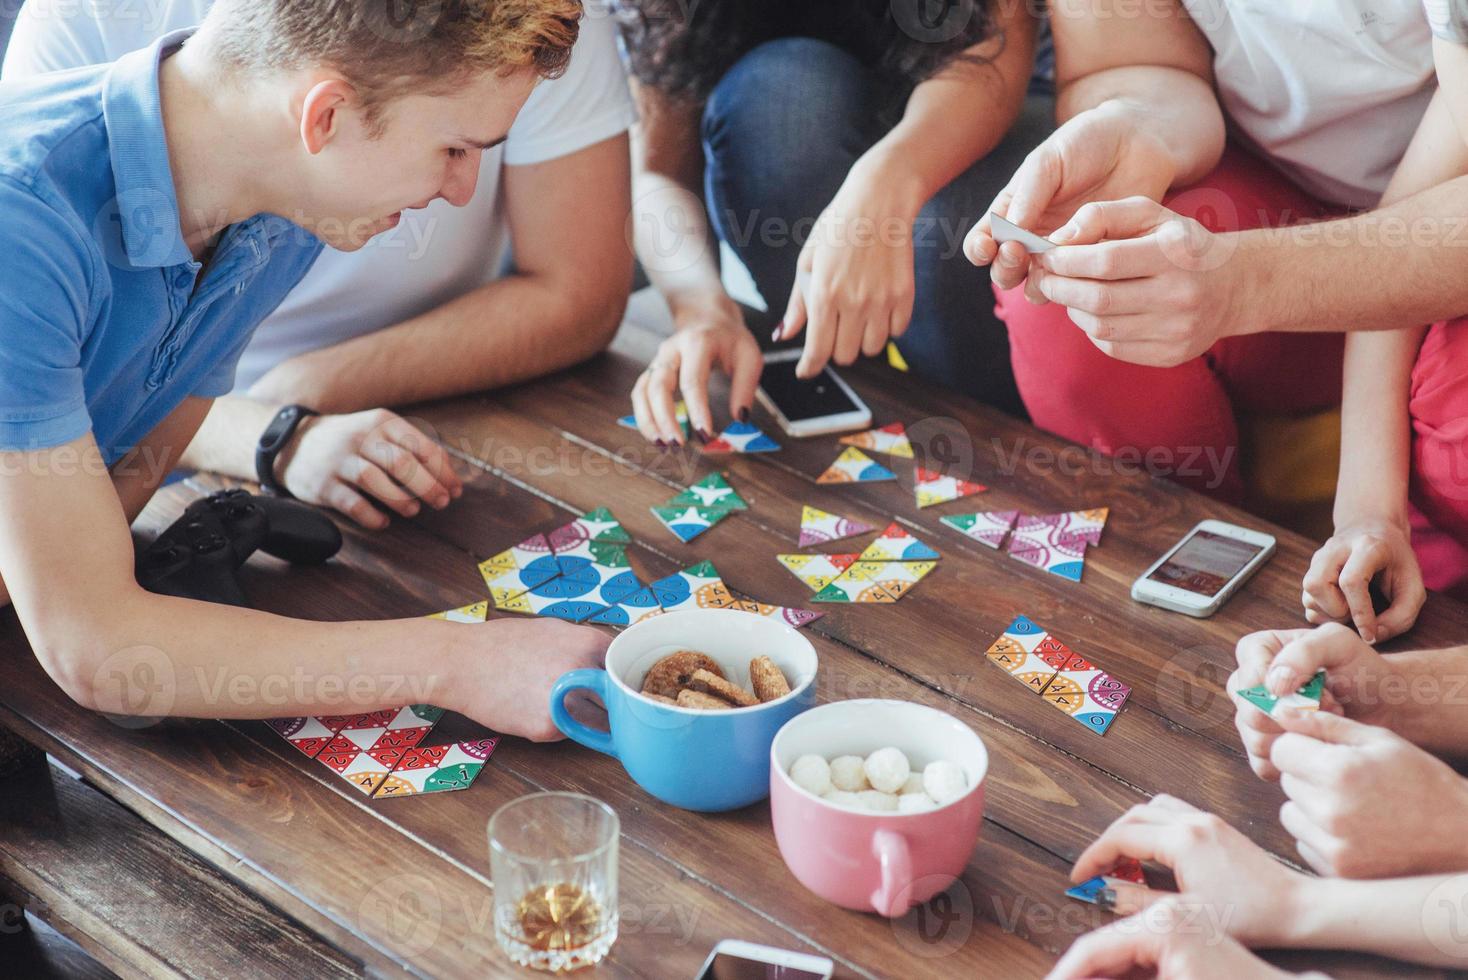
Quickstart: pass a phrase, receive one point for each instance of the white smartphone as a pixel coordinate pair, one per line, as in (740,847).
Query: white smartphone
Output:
(733,959)
(1205,568)
(820,406)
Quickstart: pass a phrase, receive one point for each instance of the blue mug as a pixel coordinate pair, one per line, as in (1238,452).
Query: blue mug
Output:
(697,760)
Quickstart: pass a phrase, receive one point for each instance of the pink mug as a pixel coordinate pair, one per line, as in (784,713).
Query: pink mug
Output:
(876,862)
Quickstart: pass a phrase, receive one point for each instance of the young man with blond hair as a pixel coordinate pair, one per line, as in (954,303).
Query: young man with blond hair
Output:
(157,210)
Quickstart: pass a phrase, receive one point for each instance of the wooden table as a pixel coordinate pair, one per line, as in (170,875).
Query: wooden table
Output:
(402,886)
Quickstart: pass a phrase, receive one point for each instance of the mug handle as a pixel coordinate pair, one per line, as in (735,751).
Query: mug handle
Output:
(588,679)
(890,850)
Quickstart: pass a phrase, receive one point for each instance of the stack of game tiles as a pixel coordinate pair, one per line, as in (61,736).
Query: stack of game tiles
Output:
(1055,543)
(938,488)
(381,752)
(887,570)
(889,439)
(693,511)
(1062,677)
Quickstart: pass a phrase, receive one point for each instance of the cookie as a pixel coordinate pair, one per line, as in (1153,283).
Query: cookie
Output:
(672,673)
(689,698)
(659,698)
(708,683)
(766,679)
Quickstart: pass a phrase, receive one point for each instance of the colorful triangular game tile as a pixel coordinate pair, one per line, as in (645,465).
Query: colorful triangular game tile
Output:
(640,605)
(791,617)
(896,544)
(1306,698)
(697,587)
(896,578)
(438,768)
(688,522)
(307,733)
(988,528)
(712,491)
(853,589)
(680,411)
(509,583)
(550,600)
(895,360)
(935,488)
(855,466)
(1086,693)
(889,439)
(475,612)
(817,571)
(741,437)
(1065,557)
(522,555)
(1100,889)
(1069,527)
(1023,652)
(599,525)
(591,581)
(817,527)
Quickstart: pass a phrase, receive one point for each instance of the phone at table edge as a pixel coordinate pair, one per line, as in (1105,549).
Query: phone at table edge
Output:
(850,413)
(818,967)
(1203,554)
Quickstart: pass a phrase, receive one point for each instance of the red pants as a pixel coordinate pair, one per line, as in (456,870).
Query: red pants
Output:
(1179,421)
(1439,488)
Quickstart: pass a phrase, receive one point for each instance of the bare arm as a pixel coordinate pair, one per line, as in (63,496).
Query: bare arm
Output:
(562,304)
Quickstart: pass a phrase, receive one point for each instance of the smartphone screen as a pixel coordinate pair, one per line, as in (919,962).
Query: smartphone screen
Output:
(726,967)
(801,400)
(1205,563)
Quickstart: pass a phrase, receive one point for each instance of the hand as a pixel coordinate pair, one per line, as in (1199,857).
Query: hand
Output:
(509,681)
(712,333)
(854,281)
(341,461)
(1146,284)
(1173,940)
(1356,676)
(1213,863)
(1101,154)
(1338,585)
(1365,802)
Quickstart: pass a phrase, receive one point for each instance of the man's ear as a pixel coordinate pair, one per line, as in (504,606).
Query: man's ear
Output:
(321,112)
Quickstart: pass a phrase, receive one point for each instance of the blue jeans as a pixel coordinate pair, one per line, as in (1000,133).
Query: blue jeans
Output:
(780,132)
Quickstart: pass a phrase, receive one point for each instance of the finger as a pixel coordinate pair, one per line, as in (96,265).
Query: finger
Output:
(820,337)
(662,383)
(854,321)
(1144,841)
(1116,950)
(795,310)
(1034,186)
(1321,648)
(1034,285)
(1255,652)
(343,498)
(642,411)
(900,317)
(1404,587)
(1355,584)
(394,460)
(693,379)
(1132,898)
(433,456)
(373,480)
(1308,797)
(1322,579)
(1099,297)
(979,246)
(1011,265)
(1315,859)
(744,374)
(1171,804)
(1103,220)
(1129,258)
(1328,728)
(1307,834)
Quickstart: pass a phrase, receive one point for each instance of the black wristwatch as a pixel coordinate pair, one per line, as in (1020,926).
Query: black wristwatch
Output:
(277,435)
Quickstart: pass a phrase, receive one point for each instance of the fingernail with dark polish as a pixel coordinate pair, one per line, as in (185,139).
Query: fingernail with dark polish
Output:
(660,444)
(704,437)
(744,414)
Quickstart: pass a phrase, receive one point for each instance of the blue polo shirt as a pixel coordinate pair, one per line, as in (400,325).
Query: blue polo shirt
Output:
(105,324)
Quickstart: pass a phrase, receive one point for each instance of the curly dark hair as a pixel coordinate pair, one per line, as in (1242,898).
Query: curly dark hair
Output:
(683,47)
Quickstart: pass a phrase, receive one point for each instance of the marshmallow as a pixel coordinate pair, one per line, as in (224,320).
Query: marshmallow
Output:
(887,769)
(914,803)
(914,784)
(842,798)
(944,781)
(875,799)
(847,773)
(812,774)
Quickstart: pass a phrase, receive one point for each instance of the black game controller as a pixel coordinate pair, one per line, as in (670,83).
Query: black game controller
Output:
(198,556)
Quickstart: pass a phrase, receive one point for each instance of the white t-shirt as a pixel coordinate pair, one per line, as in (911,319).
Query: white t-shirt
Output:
(433,255)
(1330,90)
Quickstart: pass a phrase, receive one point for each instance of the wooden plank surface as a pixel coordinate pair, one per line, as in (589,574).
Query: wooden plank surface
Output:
(403,885)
